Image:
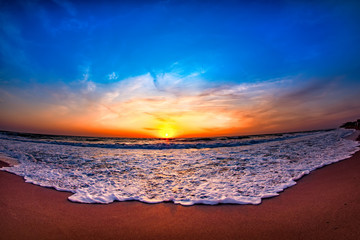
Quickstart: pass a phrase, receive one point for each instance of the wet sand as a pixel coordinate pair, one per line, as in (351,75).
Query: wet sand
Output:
(323,205)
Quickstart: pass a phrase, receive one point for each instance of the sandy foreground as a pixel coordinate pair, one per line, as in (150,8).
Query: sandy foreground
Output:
(323,205)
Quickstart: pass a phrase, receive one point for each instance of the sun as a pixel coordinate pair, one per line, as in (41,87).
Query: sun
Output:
(167,132)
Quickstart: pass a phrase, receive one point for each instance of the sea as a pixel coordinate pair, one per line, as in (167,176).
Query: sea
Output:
(186,171)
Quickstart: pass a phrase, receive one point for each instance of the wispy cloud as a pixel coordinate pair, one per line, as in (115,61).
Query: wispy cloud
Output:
(113,76)
(186,104)
(67,5)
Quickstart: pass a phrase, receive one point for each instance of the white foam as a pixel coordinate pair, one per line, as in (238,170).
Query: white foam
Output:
(238,175)
(8,160)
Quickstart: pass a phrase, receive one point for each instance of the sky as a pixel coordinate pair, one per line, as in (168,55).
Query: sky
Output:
(178,68)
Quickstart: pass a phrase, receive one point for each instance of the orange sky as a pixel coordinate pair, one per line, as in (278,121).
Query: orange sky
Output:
(177,107)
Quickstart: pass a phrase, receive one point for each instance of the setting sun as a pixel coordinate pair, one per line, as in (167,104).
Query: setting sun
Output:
(167,132)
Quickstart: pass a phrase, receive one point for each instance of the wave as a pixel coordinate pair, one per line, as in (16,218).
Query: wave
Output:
(152,143)
(241,175)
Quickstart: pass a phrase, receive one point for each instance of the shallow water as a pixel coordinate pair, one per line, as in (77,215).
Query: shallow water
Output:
(238,170)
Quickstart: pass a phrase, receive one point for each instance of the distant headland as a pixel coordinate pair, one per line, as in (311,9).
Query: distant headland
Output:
(352,125)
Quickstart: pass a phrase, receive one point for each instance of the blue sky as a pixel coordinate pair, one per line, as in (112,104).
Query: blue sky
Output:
(72,54)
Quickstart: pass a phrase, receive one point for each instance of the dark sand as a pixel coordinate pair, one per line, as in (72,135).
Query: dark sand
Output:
(323,205)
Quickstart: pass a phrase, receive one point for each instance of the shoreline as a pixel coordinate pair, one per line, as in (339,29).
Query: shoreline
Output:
(324,204)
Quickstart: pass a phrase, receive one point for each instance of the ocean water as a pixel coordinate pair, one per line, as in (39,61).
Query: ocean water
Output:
(240,170)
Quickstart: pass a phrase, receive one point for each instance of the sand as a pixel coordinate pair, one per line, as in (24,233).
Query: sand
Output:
(323,205)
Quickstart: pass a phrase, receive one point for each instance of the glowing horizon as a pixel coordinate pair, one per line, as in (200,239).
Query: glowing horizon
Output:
(171,69)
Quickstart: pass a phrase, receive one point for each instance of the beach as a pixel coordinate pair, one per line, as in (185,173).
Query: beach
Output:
(322,205)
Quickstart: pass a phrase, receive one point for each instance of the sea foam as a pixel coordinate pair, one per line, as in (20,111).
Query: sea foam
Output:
(239,170)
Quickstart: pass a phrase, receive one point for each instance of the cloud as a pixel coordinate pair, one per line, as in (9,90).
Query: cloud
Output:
(87,86)
(186,104)
(113,76)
